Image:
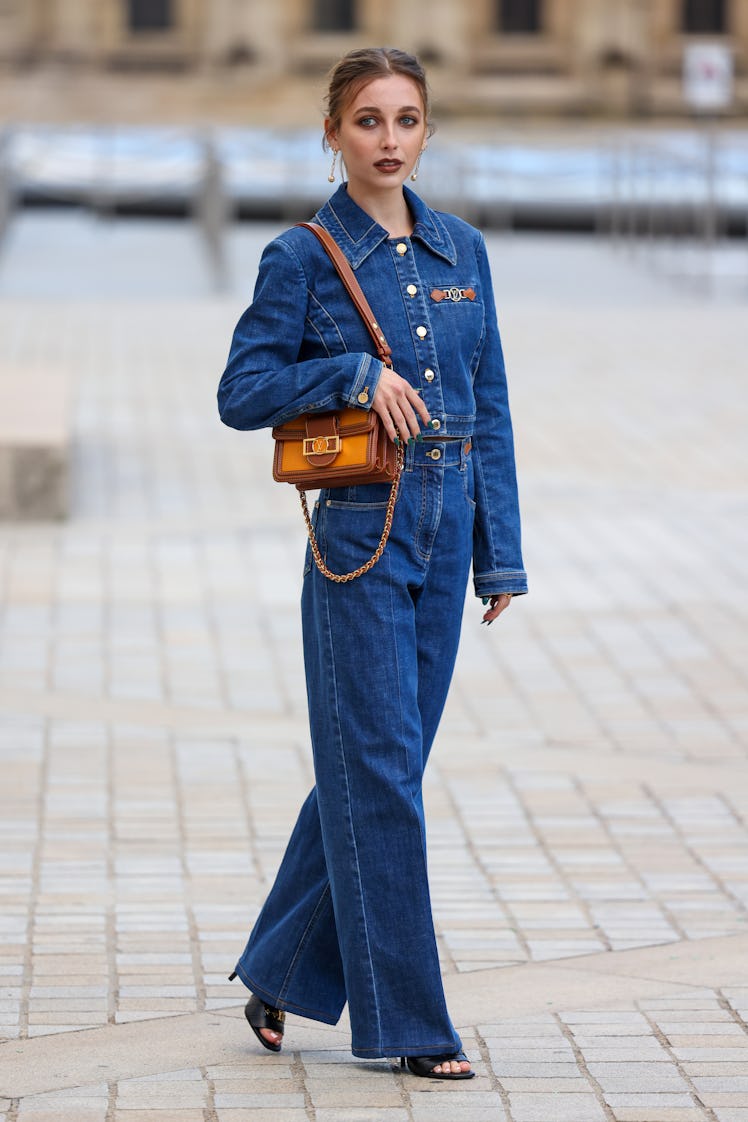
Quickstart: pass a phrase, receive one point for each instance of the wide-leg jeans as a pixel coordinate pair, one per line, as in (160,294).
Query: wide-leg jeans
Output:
(349,915)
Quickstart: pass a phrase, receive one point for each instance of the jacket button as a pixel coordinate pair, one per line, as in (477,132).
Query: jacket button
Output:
(429,375)
(401,248)
(435,454)
(421,332)
(363,397)
(411,290)
(436,424)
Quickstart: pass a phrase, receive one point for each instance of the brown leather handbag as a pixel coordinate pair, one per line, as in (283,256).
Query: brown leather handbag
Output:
(345,447)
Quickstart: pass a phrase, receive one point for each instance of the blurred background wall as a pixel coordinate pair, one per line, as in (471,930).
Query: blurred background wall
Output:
(135,60)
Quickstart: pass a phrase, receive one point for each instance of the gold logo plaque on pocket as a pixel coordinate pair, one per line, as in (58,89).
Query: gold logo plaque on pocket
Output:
(454,294)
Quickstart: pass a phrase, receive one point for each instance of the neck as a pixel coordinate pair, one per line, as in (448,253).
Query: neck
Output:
(388,208)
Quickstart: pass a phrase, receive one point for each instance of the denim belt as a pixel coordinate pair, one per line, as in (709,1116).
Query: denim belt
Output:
(438,453)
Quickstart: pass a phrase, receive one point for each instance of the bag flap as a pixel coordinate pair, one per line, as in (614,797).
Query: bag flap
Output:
(349,423)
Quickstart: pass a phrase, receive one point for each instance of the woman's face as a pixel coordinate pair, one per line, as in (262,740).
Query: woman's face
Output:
(382,131)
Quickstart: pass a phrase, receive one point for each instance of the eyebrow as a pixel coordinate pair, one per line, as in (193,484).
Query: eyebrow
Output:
(376,109)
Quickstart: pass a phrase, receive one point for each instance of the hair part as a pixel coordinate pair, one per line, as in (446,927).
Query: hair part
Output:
(357,68)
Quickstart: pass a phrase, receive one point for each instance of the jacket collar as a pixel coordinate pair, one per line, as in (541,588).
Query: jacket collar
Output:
(358,234)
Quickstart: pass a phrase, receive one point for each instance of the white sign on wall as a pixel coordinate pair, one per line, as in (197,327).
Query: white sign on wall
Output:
(707,76)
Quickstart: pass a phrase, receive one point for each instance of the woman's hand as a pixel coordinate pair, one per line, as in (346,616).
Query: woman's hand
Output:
(399,406)
(497,606)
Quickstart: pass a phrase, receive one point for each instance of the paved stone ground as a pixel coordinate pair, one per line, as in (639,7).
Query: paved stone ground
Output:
(588,797)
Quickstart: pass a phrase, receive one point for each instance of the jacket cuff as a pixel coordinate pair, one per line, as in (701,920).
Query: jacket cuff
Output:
(366,381)
(493,584)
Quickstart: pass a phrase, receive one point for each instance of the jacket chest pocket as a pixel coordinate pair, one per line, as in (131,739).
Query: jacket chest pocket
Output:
(456,311)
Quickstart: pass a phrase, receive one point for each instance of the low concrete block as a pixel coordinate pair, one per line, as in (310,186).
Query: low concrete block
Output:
(35,444)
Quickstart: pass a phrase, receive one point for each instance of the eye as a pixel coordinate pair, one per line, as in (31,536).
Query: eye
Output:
(367,122)
(408,121)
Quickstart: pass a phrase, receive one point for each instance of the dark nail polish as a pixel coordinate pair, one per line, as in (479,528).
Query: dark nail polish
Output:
(419,437)
(411,440)
(396,440)
(486,600)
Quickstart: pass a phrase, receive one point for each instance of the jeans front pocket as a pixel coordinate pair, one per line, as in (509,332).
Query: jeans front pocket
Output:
(362,496)
(352,520)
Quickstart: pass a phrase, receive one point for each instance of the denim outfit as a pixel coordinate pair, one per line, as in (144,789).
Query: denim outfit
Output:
(349,916)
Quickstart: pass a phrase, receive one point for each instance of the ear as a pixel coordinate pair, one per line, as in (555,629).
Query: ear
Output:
(331,135)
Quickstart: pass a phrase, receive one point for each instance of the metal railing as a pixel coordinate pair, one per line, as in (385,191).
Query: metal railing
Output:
(678,208)
(7,184)
(666,196)
(211,209)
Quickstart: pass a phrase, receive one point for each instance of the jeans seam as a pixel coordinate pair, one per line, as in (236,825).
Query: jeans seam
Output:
(349,815)
(422,519)
(285,984)
(437,517)
(397,677)
(465,473)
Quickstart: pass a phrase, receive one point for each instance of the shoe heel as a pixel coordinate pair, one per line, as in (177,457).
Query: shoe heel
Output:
(402,1063)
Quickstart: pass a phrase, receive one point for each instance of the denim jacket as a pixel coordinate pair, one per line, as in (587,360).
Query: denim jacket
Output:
(302,347)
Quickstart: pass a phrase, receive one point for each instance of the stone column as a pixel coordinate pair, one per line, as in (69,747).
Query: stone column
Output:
(612,39)
(20,37)
(269,26)
(71,29)
(437,29)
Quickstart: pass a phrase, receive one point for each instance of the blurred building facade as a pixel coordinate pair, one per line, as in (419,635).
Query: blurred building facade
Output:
(561,57)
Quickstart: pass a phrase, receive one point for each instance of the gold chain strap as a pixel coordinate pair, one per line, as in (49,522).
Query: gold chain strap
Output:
(342,578)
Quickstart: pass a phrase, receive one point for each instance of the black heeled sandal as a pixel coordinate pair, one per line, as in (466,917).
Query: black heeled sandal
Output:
(262,1016)
(423,1066)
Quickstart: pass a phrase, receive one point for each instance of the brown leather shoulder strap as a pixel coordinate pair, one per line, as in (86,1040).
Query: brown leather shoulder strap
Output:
(353,288)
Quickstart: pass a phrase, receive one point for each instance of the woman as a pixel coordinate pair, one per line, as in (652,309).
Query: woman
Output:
(349,916)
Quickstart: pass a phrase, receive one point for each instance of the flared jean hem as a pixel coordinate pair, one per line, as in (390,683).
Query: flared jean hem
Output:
(282,1003)
(441,1048)
(380,1052)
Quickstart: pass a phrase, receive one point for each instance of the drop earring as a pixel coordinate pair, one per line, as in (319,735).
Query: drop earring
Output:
(331,176)
(416,169)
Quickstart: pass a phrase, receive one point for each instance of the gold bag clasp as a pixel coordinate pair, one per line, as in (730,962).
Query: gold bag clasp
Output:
(321,445)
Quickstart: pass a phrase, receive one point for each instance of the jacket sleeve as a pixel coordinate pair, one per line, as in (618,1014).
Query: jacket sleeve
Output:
(497,549)
(264,382)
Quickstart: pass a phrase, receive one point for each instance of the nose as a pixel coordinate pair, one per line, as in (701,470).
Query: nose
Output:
(389,140)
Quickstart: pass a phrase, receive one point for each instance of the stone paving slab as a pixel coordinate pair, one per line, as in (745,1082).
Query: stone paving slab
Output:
(646,1087)
(655,977)
(587,799)
(598,765)
(534,885)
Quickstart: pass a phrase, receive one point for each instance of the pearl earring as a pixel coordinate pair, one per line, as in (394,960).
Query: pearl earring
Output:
(331,176)
(414,173)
